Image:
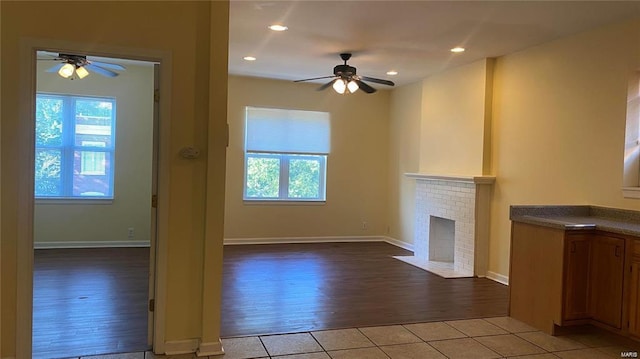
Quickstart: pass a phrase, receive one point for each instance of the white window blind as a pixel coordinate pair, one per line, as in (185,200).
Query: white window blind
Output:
(287,131)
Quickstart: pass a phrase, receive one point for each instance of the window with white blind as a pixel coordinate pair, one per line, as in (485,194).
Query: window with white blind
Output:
(286,154)
(75,144)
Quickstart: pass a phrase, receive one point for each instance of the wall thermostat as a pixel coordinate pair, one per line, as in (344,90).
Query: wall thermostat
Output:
(190,152)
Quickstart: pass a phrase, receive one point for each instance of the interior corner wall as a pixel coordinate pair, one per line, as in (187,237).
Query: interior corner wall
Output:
(169,27)
(357,165)
(453,121)
(404,157)
(79,224)
(559,126)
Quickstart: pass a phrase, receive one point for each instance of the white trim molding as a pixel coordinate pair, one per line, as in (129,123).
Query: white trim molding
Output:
(328,239)
(497,277)
(284,240)
(631,192)
(177,347)
(398,243)
(91,244)
(213,348)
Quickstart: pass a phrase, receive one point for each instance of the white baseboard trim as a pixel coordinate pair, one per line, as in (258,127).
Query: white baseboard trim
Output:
(502,279)
(399,243)
(177,347)
(212,348)
(91,244)
(328,239)
(285,240)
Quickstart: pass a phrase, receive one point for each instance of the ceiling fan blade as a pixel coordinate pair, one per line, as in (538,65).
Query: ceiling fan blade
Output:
(364,87)
(55,68)
(330,83)
(378,81)
(316,78)
(108,65)
(101,71)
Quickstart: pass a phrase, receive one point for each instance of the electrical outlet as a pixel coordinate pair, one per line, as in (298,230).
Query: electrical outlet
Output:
(130,233)
(365,225)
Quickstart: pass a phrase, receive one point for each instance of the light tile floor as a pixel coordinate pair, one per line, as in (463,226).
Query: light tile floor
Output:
(500,337)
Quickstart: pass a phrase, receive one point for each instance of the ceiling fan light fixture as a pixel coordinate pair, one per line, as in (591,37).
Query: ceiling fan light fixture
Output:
(392,73)
(66,71)
(352,86)
(278,27)
(457,49)
(82,72)
(340,86)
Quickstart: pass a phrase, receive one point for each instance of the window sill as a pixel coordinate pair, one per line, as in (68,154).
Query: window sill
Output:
(631,192)
(264,202)
(78,201)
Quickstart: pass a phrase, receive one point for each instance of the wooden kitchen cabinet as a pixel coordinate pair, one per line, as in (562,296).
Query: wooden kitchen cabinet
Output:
(576,278)
(634,291)
(570,277)
(606,279)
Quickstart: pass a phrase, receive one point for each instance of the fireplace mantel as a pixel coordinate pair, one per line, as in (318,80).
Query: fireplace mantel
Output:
(452,178)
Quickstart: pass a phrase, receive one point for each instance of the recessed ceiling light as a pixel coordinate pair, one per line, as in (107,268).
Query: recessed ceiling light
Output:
(277,27)
(392,73)
(249,58)
(458,49)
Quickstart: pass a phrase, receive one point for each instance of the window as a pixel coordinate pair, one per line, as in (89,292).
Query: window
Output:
(631,174)
(286,154)
(74,146)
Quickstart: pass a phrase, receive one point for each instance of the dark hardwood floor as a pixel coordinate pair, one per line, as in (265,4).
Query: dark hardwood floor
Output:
(93,301)
(89,301)
(269,289)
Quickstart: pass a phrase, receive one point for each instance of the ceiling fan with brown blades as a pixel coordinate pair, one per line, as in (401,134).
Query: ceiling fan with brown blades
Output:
(72,66)
(345,79)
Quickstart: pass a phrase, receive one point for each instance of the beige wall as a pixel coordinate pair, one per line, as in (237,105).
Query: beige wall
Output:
(453,121)
(183,30)
(559,126)
(131,207)
(356,167)
(404,157)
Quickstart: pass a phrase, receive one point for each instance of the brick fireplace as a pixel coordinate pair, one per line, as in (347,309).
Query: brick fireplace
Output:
(451,225)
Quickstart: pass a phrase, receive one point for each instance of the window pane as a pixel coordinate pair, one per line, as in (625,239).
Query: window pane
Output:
(91,174)
(93,163)
(263,177)
(304,178)
(48,180)
(93,126)
(49,114)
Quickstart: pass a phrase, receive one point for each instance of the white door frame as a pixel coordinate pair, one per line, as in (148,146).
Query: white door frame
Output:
(26,150)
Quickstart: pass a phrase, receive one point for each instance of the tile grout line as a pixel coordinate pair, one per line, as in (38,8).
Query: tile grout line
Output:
(264,346)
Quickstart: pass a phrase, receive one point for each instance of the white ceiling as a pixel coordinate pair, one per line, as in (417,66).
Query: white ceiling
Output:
(411,37)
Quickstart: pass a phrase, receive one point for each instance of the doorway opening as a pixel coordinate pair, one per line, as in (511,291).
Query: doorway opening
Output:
(94,224)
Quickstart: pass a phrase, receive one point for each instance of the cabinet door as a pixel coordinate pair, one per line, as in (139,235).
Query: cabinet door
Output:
(607,270)
(576,285)
(634,292)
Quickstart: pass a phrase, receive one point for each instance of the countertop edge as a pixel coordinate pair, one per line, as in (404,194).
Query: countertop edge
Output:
(551,222)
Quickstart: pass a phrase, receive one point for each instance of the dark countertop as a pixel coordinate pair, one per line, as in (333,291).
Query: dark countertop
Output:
(579,218)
